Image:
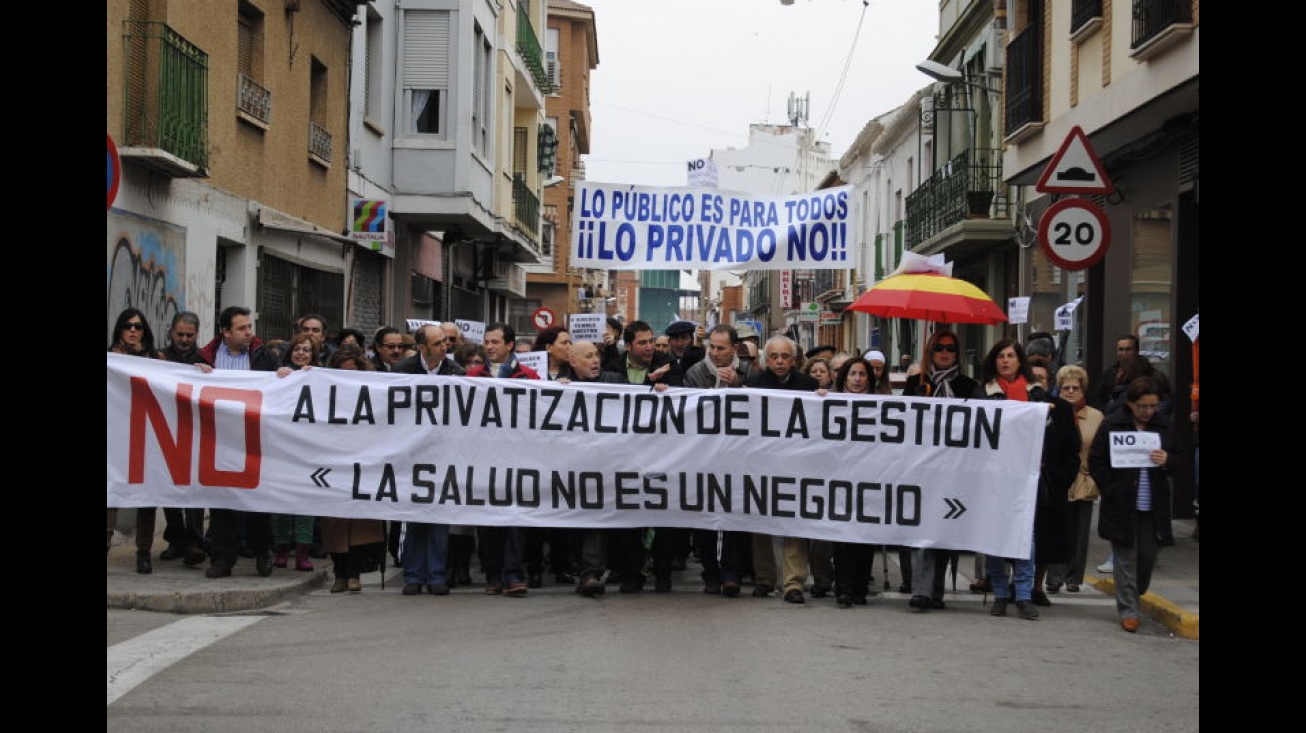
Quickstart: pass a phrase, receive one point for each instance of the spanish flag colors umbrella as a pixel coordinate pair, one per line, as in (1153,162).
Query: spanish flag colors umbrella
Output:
(929,296)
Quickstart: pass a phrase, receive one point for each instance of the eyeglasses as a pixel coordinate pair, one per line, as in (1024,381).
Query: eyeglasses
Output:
(133,326)
(950,348)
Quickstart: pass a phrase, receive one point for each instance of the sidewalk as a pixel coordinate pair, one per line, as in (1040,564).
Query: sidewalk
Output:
(175,588)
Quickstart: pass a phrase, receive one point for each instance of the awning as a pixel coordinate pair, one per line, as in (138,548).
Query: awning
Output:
(272,219)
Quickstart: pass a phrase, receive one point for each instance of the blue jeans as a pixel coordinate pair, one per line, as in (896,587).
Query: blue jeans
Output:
(425,553)
(1022,574)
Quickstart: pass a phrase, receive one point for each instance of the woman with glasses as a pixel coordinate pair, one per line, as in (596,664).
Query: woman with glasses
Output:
(132,336)
(923,569)
(1135,484)
(1073,383)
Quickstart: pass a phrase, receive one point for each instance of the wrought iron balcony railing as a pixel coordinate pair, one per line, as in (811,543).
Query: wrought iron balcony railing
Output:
(319,141)
(528,45)
(166,102)
(1024,83)
(1153,16)
(968,186)
(525,204)
(1082,11)
(253,99)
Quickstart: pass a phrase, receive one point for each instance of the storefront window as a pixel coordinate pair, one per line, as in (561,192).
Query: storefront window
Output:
(1150,316)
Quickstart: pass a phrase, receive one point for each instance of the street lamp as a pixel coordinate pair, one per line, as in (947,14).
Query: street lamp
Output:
(940,72)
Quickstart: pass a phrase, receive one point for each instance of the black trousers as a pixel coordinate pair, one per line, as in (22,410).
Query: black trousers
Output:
(184,527)
(225,527)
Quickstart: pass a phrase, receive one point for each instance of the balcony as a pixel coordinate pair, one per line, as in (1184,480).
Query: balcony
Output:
(966,187)
(319,143)
(1085,19)
(166,103)
(525,205)
(528,45)
(1024,84)
(1159,24)
(253,101)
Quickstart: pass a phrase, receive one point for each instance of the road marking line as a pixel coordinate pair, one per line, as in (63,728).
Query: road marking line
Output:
(136,660)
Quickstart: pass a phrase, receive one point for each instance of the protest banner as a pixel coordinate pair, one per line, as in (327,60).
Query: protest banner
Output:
(654,228)
(923,472)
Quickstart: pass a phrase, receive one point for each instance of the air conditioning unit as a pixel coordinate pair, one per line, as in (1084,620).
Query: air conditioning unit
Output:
(509,279)
(995,51)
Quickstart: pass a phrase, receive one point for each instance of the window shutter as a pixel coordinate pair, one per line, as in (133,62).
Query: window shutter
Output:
(426,49)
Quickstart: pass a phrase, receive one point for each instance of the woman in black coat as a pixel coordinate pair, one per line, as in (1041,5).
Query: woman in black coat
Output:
(1134,514)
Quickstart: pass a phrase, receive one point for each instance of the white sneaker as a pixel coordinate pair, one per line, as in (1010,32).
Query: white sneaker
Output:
(1105,567)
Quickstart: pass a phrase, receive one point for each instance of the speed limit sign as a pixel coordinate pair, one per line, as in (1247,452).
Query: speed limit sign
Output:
(1074,233)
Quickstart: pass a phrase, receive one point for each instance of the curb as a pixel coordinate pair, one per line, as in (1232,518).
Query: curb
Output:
(219,600)
(1181,623)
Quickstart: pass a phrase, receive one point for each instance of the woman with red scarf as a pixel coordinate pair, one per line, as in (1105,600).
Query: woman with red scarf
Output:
(1005,375)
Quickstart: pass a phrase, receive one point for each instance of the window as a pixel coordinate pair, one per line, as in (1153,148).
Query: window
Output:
(481,55)
(251,97)
(426,71)
(372,66)
(552,66)
(319,139)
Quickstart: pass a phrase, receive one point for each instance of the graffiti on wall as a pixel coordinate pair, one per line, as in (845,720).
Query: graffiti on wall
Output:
(146,269)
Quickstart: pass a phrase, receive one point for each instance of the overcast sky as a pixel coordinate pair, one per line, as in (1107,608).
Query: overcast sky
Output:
(677,78)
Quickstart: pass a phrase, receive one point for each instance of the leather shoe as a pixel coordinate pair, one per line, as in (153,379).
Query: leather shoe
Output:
(1129,624)
(493,589)
(820,591)
(1026,610)
(919,604)
(218,570)
(591,587)
(412,589)
(172,552)
(263,564)
(794,596)
(999,607)
(843,600)
(194,556)
(1040,598)
(1072,587)
(730,589)
(516,590)
(354,585)
(937,604)
(338,585)
(438,589)
(143,564)
(762,590)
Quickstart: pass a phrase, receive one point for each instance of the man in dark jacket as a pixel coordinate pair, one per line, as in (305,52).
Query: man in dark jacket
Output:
(184,531)
(238,348)
(641,364)
(780,357)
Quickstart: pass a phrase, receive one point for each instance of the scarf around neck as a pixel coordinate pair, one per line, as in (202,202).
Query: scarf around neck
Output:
(1016,389)
(941,379)
(712,369)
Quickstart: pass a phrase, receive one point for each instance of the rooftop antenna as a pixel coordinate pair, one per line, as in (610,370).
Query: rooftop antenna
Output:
(798,108)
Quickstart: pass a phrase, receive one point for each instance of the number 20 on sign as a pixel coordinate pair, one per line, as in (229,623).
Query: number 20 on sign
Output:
(1074,233)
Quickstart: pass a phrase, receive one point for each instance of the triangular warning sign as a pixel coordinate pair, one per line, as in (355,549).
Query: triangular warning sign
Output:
(1075,169)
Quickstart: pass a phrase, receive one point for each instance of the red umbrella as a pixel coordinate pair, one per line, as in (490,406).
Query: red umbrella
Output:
(929,296)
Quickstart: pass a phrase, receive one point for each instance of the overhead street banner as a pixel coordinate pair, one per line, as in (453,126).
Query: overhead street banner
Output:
(919,471)
(655,228)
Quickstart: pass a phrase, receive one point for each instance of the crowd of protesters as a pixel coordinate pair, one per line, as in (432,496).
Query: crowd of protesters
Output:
(1076,468)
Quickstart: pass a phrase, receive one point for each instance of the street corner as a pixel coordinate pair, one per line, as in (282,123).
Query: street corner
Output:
(1181,623)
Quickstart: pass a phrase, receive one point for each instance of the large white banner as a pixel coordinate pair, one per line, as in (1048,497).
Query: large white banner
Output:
(924,472)
(654,228)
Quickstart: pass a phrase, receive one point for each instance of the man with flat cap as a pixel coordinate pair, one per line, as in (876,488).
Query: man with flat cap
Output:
(824,351)
(684,354)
